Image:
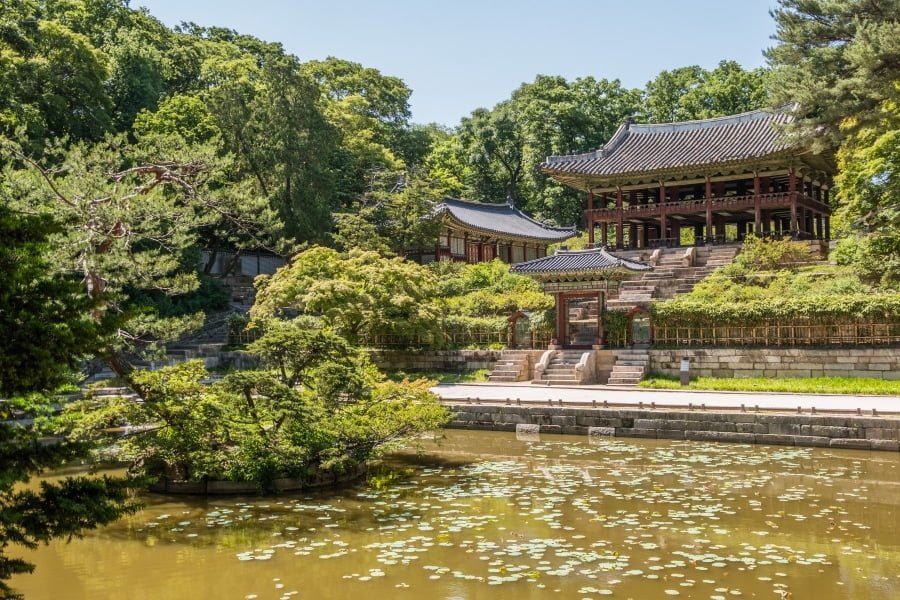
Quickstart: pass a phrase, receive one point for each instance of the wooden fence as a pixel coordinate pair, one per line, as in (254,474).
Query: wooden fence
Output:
(788,334)
(796,334)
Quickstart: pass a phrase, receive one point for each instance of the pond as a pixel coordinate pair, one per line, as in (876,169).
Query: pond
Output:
(484,515)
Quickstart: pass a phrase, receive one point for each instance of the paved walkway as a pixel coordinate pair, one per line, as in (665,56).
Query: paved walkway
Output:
(617,396)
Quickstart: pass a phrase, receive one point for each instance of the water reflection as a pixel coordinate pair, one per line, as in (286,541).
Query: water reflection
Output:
(479,514)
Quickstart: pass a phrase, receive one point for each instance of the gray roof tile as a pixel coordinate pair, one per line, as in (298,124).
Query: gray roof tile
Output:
(501,219)
(578,261)
(647,148)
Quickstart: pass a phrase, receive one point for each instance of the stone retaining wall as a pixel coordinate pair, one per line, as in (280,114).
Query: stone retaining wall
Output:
(855,432)
(434,360)
(883,363)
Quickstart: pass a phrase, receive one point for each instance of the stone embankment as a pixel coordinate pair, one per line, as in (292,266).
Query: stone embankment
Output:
(859,432)
(881,363)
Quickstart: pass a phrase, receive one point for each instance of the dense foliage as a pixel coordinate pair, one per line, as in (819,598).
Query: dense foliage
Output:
(369,298)
(316,407)
(46,329)
(831,308)
(359,295)
(767,284)
(840,61)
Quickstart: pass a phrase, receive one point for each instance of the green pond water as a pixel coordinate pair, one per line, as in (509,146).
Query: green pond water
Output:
(484,515)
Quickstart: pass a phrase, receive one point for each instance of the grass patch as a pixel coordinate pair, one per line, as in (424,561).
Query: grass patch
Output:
(798,385)
(476,376)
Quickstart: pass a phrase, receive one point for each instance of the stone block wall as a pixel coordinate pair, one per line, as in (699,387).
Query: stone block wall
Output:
(882,363)
(453,361)
(850,432)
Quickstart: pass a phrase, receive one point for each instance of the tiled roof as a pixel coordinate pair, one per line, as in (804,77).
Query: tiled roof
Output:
(648,148)
(578,261)
(501,219)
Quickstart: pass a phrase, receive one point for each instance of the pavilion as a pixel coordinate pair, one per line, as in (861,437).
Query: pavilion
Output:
(580,281)
(710,181)
(479,232)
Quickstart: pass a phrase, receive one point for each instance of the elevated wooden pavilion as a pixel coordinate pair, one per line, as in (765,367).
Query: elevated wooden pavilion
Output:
(580,280)
(479,232)
(719,179)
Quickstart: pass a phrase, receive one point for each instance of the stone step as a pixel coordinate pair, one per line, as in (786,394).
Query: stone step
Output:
(502,378)
(620,381)
(559,379)
(619,368)
(504,373)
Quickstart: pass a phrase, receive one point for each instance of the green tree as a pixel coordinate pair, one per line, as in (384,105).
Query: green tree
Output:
(130,215)
(869,190)
(271,123)
(496,153)
(392,220)
(360,295)
(839,60)
(315,407)
(46,327)
(51,78)
(689,93)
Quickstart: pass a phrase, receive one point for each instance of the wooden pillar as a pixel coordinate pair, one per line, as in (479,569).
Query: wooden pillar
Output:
(600,308)
(792,192)
(757,208)
(604,233)
(643,236)
(560,319)
(662,212)
(709,219)
(589,218)
(620,226)
(827,227)
(632,235)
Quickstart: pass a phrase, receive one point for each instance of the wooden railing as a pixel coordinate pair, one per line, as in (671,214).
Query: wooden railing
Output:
(721,203)
(786,334)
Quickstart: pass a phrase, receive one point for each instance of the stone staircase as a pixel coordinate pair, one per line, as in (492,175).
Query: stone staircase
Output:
(631,366)
(513,365)
(561,370)
(671,275)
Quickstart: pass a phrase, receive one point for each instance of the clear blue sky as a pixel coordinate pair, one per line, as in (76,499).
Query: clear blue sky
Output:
(458,55)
